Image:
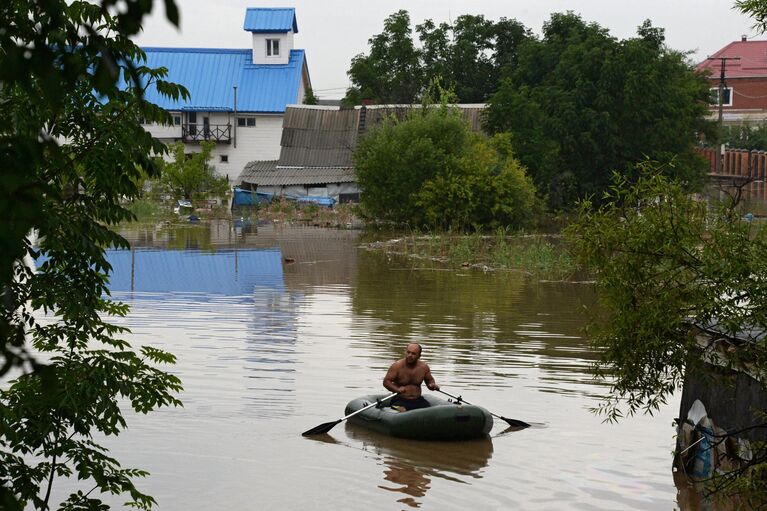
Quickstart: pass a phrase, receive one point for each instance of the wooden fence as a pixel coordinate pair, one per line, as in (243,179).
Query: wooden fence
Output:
(739,166)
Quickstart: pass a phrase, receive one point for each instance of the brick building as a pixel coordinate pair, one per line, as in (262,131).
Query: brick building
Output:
(745,93)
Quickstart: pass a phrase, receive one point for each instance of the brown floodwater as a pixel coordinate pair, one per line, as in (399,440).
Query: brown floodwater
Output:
(276,329)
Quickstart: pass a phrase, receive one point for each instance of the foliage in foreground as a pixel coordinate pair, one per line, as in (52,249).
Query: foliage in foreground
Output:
(664,261)
(71,90)
(430,170)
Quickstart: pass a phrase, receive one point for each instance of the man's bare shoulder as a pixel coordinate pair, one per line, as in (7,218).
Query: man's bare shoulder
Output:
(398,364)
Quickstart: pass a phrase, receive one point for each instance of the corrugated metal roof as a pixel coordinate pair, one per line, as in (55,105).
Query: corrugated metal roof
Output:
(265,173)
(326,136)
(752,63)
(210,75)
(268,20)
(318,137)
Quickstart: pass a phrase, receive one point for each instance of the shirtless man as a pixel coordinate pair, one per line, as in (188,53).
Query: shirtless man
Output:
(405,377)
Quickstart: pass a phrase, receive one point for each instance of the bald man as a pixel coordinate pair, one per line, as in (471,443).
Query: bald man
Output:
(405,377)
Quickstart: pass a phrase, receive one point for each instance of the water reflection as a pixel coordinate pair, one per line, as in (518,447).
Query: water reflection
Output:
(412,464)
(516,323)
(407,478)
(265,354)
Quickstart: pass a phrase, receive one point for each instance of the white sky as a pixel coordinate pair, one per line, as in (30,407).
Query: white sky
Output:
(333,31)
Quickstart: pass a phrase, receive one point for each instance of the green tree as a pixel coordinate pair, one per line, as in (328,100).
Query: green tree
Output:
(310,98)
(71,90)
(663,262)
(471,55)
(757,9)
(468,56)
(430,170)
(190,175)
(746,136)
(581,104)
(391,73)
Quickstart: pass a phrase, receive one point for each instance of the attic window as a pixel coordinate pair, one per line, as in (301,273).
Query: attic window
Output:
(272,47)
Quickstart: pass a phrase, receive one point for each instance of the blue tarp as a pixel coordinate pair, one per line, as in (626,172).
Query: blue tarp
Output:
(249,198)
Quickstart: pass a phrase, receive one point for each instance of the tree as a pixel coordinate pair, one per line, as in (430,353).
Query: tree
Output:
(391,73)
(430,170)
(471,55)
(757,9)
(663,262)
(71,89)
(190,175)
(468,56)
(310,98)
(581,104)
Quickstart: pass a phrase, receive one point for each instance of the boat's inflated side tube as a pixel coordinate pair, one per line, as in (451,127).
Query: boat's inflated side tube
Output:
(443,420)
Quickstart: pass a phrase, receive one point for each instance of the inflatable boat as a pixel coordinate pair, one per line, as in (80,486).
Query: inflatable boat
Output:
(443,420)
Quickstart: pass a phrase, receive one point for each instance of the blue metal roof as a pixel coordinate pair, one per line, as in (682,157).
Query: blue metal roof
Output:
(265,20)
(210,75)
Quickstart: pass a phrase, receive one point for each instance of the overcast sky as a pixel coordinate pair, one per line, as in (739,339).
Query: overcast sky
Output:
(333,31)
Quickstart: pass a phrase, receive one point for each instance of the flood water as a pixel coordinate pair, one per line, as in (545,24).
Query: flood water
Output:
(275,330)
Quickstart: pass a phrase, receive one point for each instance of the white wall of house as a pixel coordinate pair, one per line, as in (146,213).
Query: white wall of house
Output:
(255,142)
(260,51)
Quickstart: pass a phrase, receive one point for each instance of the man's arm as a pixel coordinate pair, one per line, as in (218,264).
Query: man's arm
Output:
(429,379)
(390,380)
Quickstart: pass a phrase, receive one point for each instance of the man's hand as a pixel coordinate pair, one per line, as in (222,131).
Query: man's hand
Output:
(432,386)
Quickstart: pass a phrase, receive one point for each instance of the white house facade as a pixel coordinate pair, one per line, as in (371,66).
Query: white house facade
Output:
(237,96)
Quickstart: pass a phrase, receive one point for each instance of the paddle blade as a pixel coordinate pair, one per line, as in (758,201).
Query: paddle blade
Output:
(516,423)
(322,428)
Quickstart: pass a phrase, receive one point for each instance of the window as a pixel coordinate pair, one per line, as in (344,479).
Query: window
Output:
(348,197)
(176,120)
(726,101)
(272,47)
(246,121)
(224,158)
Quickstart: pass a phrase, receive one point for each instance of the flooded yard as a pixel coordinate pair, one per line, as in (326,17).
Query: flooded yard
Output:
(275,330)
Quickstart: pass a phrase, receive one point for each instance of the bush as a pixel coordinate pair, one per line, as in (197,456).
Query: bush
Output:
(430,170)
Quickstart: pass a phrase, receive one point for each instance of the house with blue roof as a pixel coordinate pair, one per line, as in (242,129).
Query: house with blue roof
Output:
(238,96)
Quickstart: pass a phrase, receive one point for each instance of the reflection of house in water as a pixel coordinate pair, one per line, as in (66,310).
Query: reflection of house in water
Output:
(235,301)
(310,256)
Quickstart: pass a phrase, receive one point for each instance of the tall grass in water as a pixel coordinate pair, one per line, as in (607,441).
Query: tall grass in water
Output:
(541,256)
(144,209)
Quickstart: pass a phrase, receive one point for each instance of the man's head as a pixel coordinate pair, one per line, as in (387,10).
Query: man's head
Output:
(412,353)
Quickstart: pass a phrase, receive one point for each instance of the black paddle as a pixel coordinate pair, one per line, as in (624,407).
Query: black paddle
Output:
(511,422)
(324,428)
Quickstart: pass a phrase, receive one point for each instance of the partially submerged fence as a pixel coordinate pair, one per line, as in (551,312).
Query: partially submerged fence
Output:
(739,167)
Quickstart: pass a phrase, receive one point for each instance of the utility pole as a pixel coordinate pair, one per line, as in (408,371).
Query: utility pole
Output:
(722,86)
(235,116)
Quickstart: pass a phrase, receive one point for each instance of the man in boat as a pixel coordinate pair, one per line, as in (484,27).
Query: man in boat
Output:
(405,377)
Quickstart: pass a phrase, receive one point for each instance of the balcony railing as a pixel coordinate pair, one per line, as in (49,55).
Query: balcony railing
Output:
(198,132)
